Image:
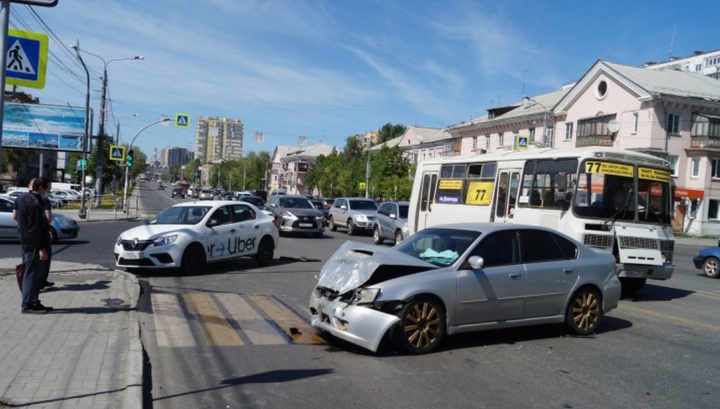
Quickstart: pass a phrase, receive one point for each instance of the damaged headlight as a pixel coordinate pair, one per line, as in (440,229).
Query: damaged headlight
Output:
(365,296)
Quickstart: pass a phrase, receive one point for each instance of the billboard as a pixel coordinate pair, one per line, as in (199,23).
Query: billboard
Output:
(37,126)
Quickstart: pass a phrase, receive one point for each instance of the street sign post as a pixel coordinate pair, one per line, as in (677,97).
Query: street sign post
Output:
(117,153)
(26,58)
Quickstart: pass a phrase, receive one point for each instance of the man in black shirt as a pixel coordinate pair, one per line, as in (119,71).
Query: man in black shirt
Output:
(34,239)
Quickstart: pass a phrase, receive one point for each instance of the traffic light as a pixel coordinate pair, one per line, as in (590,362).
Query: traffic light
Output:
(129,158)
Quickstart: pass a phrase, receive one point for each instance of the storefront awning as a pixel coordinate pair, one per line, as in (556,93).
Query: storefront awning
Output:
(683,193)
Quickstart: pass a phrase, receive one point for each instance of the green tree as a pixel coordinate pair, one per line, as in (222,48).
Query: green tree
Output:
(390,131)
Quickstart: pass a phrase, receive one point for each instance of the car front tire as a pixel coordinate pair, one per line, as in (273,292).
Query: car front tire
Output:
(193,260)
(332,225)
(53,235)
(421,327)
(266,252)
(711,267)
(350,227)
(584,312)
(377,238)
(398,237)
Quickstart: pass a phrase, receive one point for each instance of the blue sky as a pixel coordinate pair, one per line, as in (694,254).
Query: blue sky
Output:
(328,69)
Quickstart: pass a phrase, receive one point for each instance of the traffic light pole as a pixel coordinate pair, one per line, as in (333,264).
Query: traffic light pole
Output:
(127,169)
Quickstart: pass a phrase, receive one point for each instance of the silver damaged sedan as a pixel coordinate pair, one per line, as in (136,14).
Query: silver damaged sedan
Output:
(459,278)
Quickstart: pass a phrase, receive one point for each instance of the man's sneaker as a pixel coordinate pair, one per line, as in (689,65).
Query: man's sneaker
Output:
(48,284)
(36,309)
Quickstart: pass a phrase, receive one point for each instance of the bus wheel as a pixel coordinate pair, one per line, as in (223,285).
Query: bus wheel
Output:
(377,238)
(630,286)
(584,312)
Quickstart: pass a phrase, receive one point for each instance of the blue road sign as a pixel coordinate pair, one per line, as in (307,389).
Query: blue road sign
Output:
(182,120)
(26,58)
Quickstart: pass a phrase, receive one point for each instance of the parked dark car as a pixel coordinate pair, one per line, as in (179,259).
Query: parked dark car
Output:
(178,192)
(320,205)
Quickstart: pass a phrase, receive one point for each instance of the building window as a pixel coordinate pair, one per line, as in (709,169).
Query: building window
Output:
(568,130)
(501,139)
(634,123)
(698,67)
(474,143)
(695,168)
(531,137)
(487,142)
(673,125)
(673,159)
(713,206)
(715,172)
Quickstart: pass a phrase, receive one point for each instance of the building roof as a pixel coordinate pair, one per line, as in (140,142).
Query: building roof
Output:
(308,152)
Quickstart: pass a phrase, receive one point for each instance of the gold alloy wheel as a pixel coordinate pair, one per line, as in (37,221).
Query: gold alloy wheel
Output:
(586,311)
(423,325)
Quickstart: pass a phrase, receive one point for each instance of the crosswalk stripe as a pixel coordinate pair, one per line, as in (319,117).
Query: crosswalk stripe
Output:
(171,326)
(214,327)
(296,327)
(257,329)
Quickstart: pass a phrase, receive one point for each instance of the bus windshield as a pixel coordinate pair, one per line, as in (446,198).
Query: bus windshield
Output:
(611,191)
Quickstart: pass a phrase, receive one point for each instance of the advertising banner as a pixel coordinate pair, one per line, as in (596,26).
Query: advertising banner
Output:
(37,126)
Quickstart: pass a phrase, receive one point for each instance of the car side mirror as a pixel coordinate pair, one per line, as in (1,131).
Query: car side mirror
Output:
(212,222)
(343,207)
(476,262)
(393,216)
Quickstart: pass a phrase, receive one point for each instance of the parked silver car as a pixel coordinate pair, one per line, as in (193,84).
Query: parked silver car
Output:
(354,214)
(391,222)
(459,278)
(298,215)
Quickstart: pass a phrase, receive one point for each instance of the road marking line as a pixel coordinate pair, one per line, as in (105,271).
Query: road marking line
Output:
(214,327)
(171,325)
(710,296)
(257,329)
(670,317)
(296,328)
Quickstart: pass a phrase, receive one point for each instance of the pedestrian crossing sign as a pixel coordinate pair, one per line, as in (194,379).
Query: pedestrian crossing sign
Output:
(522,142)
(182,121)
(26,58)
(117,153)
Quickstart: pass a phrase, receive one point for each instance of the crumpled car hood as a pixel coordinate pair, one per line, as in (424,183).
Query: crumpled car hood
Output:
(355,264)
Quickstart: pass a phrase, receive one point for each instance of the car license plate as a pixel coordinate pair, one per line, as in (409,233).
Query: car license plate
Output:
(632,274)
(307,225)
(133,255)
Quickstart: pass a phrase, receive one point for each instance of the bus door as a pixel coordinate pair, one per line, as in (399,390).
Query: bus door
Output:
(425,199)
(506,193)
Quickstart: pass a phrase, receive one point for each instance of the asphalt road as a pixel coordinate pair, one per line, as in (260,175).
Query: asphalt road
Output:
(211,341)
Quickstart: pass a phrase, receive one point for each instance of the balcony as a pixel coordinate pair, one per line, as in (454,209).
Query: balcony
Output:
(705,132)
(596,131)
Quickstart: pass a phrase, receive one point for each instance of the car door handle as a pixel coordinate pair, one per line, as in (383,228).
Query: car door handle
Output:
(515,276)
(568,270)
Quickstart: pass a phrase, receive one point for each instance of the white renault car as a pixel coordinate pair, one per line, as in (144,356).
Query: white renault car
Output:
(189,235)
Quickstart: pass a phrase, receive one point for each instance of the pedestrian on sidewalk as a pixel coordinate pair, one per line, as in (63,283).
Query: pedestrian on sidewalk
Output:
(48,214)
(34,239)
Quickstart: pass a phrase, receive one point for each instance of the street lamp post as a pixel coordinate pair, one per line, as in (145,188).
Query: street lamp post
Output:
(545,119)
(101,128)
(127,170)
(86,138)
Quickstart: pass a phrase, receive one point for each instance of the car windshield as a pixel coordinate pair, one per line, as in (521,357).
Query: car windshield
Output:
(441,247)
(363,205)
(295,203)
(181,215)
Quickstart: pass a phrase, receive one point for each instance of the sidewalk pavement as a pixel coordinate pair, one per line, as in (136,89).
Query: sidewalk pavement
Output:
(87,352)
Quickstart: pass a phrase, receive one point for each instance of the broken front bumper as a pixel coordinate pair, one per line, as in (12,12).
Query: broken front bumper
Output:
(361,326)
